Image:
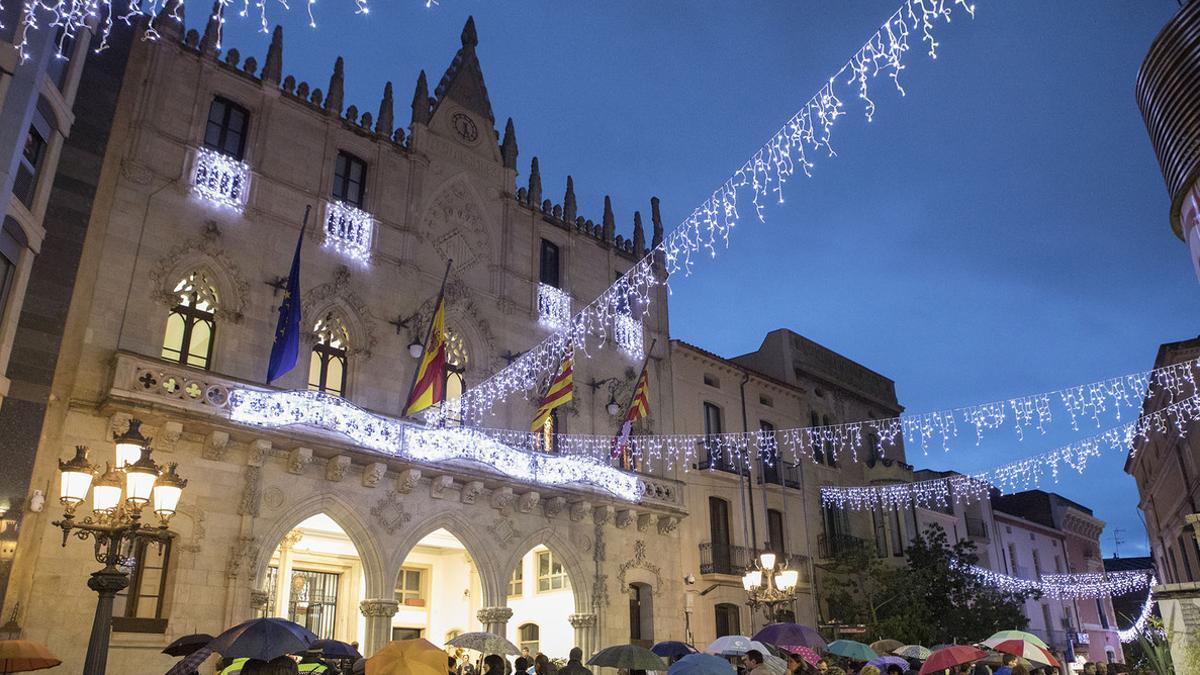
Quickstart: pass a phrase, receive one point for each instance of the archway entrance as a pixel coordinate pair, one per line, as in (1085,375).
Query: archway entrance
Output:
(439,591)
(542,601)
(315,578)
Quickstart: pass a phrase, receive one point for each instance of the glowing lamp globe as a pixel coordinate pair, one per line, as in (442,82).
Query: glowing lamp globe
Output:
(416,349)
(139,480)
(76,477)
(767,560)
(752,579)
(787,579)
(130,444)
(106,493)
(167,491)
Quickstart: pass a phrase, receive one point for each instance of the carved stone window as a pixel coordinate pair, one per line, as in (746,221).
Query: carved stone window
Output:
(327,365)
(192,324)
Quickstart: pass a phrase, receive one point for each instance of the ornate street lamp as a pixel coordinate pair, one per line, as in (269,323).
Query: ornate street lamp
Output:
(770,585)
(118,497)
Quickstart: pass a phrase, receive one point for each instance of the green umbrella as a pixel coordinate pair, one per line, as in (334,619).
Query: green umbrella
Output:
(485,643)
(632,657)
(855,651)
(913,652)
(1015,635)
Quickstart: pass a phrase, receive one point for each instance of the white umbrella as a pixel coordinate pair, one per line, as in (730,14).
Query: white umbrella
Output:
(731,645)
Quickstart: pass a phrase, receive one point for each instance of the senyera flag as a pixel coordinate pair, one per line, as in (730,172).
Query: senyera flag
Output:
(429,387)
(560,392)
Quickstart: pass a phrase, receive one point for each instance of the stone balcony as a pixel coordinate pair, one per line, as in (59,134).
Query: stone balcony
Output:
(338,428)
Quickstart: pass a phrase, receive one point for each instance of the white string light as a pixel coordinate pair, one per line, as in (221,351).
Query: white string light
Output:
(280,409)
(220,179)
(1023,474)
(1068,586)
(1139,626)
(554,307)
(806,135)
(348,230)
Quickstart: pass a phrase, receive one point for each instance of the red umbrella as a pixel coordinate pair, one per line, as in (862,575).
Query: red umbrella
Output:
(949,657)
(1027,651)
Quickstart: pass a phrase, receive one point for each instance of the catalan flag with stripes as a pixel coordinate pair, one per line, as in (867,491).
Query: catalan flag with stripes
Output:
(639,408)
(561,391)
(429,386)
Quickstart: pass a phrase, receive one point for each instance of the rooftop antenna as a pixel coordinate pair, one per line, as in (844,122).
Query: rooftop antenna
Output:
(1117,541)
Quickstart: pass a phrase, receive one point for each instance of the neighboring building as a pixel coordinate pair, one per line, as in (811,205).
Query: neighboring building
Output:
(974,521)
(1166,468)
(1168,95)
(1129,606)
(1046,533)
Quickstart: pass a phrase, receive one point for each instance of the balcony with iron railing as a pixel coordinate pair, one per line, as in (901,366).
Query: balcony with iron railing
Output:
(831,546)
(733,560)
(779,473)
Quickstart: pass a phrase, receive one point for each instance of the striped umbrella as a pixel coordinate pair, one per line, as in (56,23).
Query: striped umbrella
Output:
(1003,635)
(913,652)
(1028,651)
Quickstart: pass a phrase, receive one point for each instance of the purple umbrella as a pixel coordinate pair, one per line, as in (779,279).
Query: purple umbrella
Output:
(263,639)
(883,662)
(791,634)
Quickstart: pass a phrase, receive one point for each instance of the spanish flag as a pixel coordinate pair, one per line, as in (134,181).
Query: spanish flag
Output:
(639,408)
(560,392)
(429,386)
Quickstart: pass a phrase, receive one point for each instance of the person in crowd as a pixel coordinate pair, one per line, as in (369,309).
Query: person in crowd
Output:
(869,670)
(1006,665)
(795,664)
(894,669)
(1089,668)
(313,663)
(280,665)
(823,666)
(522,665)
(525,654)
(542,665)
(981,669)
(493,664)
(574,664)
(1101,668)
(833,670)
(753,661)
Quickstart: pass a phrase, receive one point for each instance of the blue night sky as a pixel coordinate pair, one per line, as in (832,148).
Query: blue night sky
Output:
(1002,230)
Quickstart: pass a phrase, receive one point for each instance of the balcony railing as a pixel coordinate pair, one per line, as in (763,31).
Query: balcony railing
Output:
(735,560)
(221,179)
(831,546)
(779,473)
(348,230)
(977,528)
(554,307)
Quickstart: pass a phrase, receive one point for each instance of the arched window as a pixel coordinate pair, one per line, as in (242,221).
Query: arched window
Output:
(192,323)
(327,365)
(527,637)
(457,360)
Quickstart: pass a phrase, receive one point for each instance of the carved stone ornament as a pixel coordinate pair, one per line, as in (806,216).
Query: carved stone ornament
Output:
(623,519)
(407,480)
(338,298)
(118,423)
(251,492)
(471,491)
(582,620)
(440,486)
(502,498)
(297,460)
(600,591)
(667,524)
(494,615)
(238,554)
(258,599)
(454,226)
(504,531)
(390,512)
(168,436)
(260,450)
(207,255)
(379,607)
(602,515)
(215,445)
(644,521)
(335,468)
(639,561)
(579,511)
(373,474)
(527,501)
(554,506)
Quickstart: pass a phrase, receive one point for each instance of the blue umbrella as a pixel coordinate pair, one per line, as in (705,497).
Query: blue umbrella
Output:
(882,662)
(673,649)
(263,639)
(701,664)
(334,649)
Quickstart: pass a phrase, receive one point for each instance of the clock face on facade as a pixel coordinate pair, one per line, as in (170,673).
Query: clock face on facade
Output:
(465,127)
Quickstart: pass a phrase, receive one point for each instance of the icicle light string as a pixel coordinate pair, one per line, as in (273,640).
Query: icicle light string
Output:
(1173,386)
(1016,476)
(804,137)
(1068,586)
(1139,626)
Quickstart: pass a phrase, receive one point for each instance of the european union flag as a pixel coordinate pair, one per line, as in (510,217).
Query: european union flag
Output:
(285,350)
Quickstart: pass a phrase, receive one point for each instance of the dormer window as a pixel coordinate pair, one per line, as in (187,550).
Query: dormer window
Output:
(349,179)
(226,128)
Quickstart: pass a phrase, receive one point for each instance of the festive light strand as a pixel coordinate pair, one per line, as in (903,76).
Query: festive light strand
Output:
(1139,626)
(1068,586)
(1015,476)
(1172,385)
(795,147)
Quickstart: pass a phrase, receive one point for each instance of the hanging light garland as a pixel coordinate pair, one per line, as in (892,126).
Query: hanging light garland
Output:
(1015,476)
(806,136)
(1068,586)
(1139,625)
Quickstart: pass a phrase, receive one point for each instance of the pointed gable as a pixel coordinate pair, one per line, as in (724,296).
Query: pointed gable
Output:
(463,80)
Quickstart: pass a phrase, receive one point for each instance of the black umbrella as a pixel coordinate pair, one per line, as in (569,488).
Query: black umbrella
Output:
(188,644)
(263,639)
(333,649)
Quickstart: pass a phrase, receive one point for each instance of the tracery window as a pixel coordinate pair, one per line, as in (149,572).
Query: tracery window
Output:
(457,360)
(192,324)
(327,365)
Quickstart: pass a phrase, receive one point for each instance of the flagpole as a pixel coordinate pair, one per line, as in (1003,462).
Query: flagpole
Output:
(428,333)
(645,362)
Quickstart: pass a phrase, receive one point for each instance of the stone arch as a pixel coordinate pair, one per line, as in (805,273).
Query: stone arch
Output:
(479,545)
(346,516)
(578,569)
(338,298)
(206,255)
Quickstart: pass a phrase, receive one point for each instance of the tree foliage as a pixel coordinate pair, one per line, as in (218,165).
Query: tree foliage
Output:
(930,600)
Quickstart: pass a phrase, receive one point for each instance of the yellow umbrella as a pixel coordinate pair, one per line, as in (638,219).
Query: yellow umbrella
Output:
(408,657)
(19,656)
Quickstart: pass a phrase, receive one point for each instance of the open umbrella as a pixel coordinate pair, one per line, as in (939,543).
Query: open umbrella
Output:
(886,646)
(913,652)
(807,653)
(263,639)
(187,644)
(335,649)
(882,662)
(1028,651)
(485,643)
(631,657)
(855,651)
(949,657)
(729,645)
(786,635)
(1003,635)
(408,657)
(673,649)
(19,656)
(701,664)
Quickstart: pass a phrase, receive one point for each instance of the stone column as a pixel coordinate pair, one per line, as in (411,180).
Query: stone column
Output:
(379,613)
(585,633)
(495,619)
(258,603)
(283,577)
